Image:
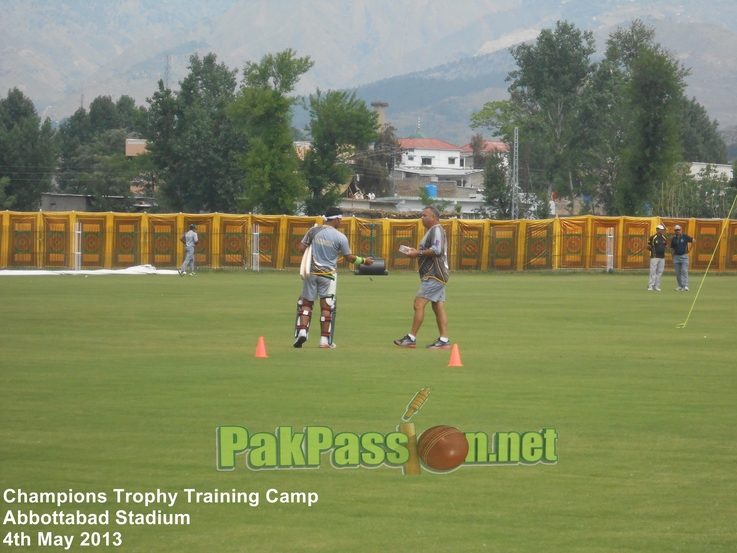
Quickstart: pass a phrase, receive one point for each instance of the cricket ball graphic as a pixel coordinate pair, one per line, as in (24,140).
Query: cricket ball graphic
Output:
(442,447)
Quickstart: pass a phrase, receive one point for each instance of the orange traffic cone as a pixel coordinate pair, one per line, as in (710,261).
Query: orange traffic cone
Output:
(261,348)
(455,357)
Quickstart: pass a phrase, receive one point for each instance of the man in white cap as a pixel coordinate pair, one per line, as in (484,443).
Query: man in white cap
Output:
(681,244)
(656,245)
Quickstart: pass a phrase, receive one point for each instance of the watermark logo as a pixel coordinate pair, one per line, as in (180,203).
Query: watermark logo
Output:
(440,448)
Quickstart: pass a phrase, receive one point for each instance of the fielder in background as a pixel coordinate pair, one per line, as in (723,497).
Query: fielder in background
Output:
(681,244)
(189,240)
(656,245)
(433,258)
(327,244)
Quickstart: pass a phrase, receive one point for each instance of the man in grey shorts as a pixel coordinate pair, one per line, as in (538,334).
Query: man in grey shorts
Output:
(327,244)
(433,256)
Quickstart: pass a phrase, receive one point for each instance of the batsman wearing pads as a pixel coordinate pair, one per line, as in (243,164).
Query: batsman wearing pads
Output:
(327,244)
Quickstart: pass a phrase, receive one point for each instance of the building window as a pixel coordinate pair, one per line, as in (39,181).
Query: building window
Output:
(410,158)
(427,161)
(451,161)
(462,162)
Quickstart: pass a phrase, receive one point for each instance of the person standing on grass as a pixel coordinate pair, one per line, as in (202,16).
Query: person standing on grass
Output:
(433,258)
(189,240)
(328,244)
(656,245)
(681,245)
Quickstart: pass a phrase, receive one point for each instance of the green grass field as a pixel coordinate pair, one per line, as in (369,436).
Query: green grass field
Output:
(121,381)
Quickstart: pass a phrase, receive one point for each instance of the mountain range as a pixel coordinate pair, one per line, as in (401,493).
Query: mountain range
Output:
(442,99)
(433,61)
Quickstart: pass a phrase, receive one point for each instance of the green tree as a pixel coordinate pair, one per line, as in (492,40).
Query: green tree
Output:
(637,117)
(92,157)
(716,193)
(497,189)
(700,135)
(5,201)
(599,137)
(609,131)
(74,132)
(550,80)
(626,44)
(707,195)
(27,152)
(340,124)
(104,115)
(546,92)
(375,165)
(501,117)
(161,133)
(130,117)
(653,146)
(193,142)
(479,155)
(261,112)
(104,172)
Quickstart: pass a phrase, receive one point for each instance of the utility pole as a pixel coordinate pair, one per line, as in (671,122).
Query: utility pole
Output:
(515,176)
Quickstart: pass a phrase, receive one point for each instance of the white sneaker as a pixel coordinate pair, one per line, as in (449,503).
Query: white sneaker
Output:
(649,289)
(685,288)
(679,289)
(657,289)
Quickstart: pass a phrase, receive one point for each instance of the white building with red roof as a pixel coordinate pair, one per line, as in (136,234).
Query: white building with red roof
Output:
(488,146)
(429,153)
(437,167)
(436,161)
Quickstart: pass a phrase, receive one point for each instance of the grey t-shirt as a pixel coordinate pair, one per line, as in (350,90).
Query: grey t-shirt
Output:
(435,267)
(327,244)
(190,239)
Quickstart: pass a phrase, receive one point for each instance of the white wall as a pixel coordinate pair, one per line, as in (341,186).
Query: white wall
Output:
(718,167)
(439,158)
